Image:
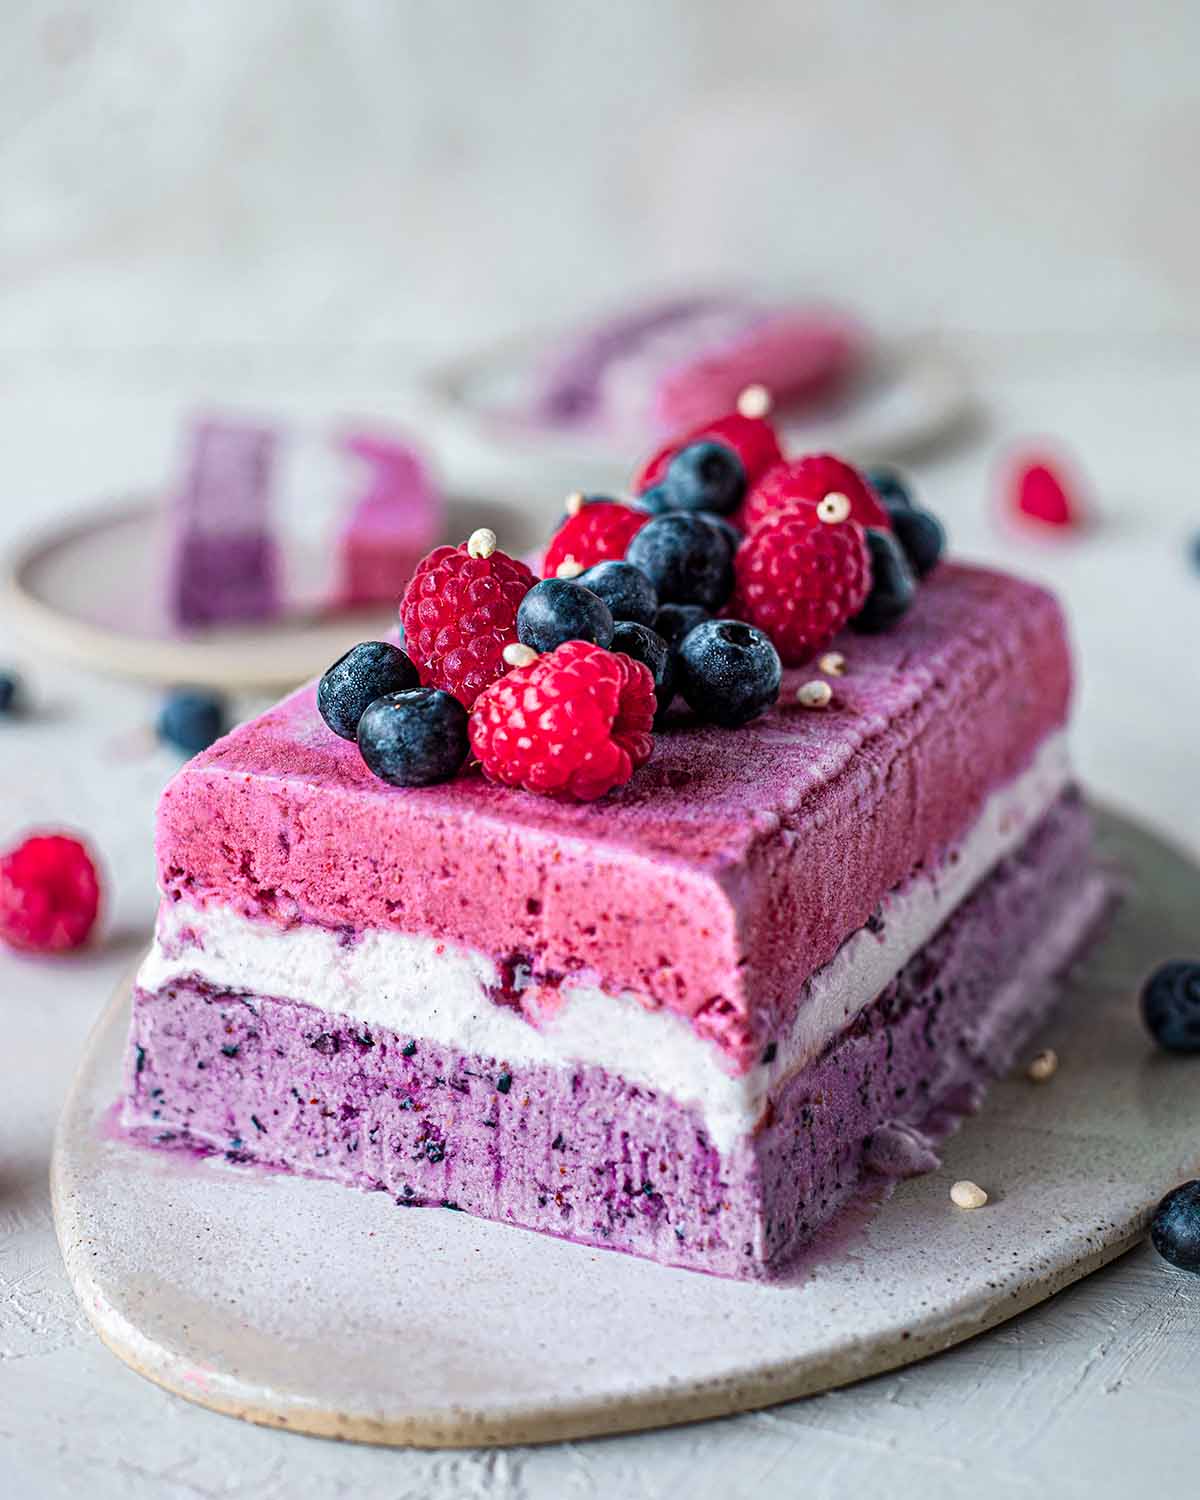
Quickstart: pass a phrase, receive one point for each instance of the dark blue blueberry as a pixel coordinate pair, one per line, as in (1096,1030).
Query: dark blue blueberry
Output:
(10,692)
(192,720)
(921,535)
(1196,550)
(728,672)
(1175,1227)
(626,590)
(893,588)
(733,537)
(640,642)
(890,485)
(655,500)
(368,671)
(705,476)
(685,558)
(1171,1005)
(673,621)
(414,738)
(561,609)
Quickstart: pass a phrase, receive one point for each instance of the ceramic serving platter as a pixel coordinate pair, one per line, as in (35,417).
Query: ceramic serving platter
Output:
(316,1308)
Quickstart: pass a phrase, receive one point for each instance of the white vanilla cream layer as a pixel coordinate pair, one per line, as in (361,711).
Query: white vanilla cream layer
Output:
(420,987)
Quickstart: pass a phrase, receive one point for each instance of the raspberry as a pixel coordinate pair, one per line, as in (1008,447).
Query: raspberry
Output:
(577,722)
(459,612)
(49,894)
(803,483)
(1041,493)
(600,530)
(799,581)
(751,438)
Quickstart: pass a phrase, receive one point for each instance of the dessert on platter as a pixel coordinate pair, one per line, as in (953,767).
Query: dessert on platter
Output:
(664,903)
(267,522)
(662,366)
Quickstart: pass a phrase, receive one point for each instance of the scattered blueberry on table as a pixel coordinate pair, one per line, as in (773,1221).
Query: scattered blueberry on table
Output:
(192,719)
(10,693)
(1171,1005)
(1175,1227)
(370,670)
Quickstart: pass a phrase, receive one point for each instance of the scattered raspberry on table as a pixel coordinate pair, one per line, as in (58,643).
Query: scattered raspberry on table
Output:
(49,894)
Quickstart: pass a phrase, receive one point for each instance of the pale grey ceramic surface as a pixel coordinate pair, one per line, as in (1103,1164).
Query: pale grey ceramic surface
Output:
(315,1307)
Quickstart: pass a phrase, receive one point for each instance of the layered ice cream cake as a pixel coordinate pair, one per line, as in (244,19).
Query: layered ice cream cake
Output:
(689,1019)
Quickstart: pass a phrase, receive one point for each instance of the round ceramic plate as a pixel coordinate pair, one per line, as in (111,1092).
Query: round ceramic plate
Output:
(310,1306)
(912,396)
(89,592)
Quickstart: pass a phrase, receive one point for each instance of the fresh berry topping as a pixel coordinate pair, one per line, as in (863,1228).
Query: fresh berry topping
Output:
(921,535)
(733,537)
(576,722)
(705,476)
(49,894)
(673,621)
(414,738)
(602,529)
(655,501)
(560,609)
(685,558)
(368,671)
(800,582)
(458,613)
(805,483)
(893,587)
(1040,492)
(728,672)
(626,590)
(192,720)
(751,438)
(640,642)
(1175,1227)
(10,692)
(1171,1005)
(891,487)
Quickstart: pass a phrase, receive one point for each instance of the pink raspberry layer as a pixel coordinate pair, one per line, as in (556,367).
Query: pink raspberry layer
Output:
(731,867)
(577,1152)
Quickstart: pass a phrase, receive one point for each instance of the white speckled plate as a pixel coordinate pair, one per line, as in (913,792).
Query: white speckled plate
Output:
(313,1307)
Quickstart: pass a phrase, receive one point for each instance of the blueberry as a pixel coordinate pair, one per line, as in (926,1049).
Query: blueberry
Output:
(366,672)
(728,672)
(414,738)
(891,487)
(705,476)
(894,588)
(685,558)
(561,609)
(655,500)
(1175,1227)
(921,535)
(192,720)
(1171,1005)
(10,692)
(626,590)
(733,537)
(673,621)
(643,645)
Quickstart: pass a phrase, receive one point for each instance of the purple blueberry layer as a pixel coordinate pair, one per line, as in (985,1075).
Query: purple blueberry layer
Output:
(577,1152)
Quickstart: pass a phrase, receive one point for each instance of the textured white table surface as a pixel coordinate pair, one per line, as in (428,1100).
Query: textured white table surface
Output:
(1089,1395)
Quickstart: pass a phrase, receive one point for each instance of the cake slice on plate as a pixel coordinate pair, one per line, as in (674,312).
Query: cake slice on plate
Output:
(689,1019)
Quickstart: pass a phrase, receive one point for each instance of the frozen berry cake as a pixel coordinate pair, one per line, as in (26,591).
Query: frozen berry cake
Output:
(528,941)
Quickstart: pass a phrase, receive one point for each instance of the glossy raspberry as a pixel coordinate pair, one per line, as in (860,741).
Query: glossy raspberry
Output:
(576,722)
(49,894)
(459,612)
(804,482)
(602,529)
(753,439)
(800,581)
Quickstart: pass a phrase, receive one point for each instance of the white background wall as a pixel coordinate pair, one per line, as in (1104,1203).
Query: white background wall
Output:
(389,177)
